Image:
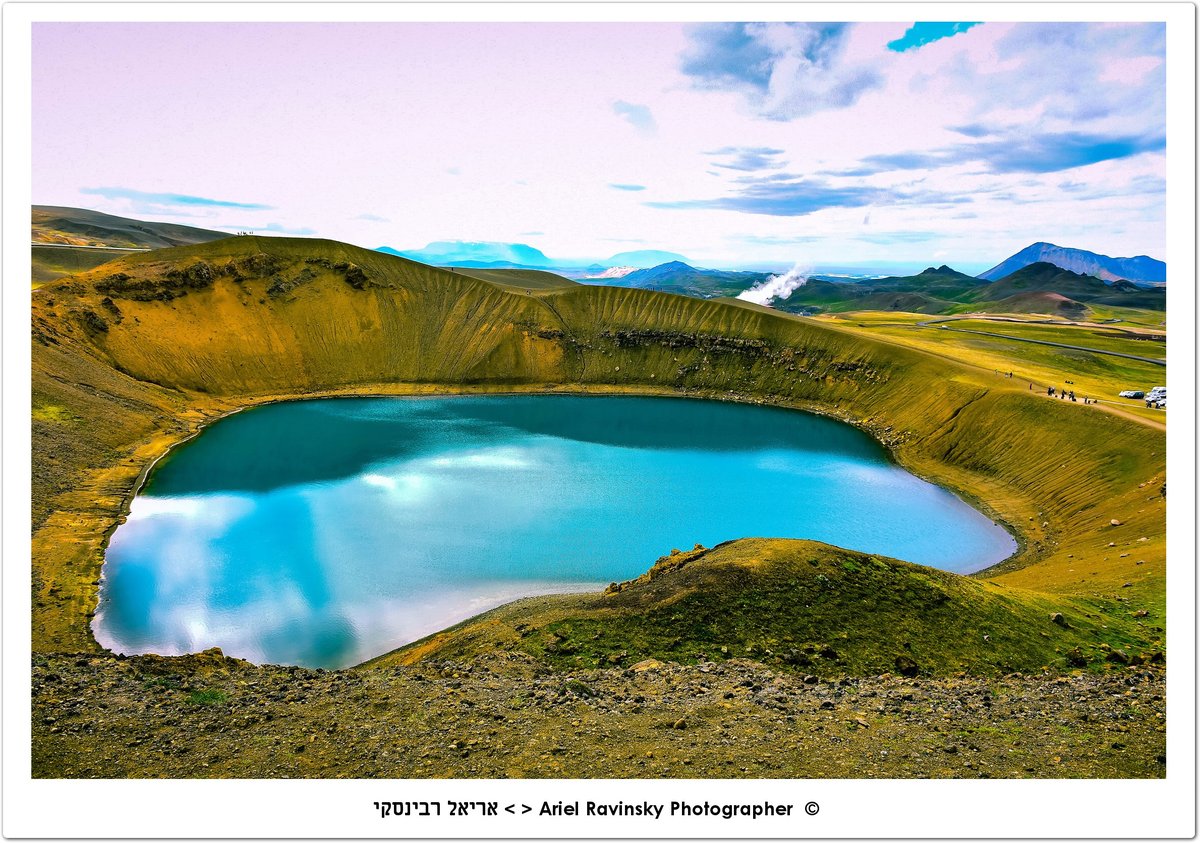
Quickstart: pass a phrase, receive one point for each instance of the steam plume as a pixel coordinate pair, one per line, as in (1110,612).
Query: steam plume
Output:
(777,286)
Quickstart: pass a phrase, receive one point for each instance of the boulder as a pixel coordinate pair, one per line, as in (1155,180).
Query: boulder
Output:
(906,666)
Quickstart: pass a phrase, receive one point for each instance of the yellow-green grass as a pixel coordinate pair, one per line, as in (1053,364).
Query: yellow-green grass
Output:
(1103,338)
(50,262)
(144,351)
(873,318)
(1130,316)
(84,227)
(53,413)
(807,607)
(1099,376)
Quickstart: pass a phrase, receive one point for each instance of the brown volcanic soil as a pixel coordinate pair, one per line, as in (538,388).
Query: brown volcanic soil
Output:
(506,715)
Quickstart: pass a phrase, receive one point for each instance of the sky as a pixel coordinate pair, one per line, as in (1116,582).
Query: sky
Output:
(734,144)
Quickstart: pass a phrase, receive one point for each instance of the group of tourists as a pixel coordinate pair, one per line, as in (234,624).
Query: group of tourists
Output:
(1065,395)
(1062,394)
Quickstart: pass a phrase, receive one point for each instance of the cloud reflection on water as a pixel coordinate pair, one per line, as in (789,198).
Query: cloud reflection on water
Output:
(474,502)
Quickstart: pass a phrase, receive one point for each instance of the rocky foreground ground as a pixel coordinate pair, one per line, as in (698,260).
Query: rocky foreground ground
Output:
(507,715)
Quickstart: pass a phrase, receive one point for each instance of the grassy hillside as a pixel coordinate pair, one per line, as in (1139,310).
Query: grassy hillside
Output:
(934,290)
(134,355)
(1053,304)
(1037,288)
(1044,277)
(947,282)
(906,302)
(1109,338)
(82,227)
(70,240)
(819,292)
(804,607)
(1099,376)
(679,277)
(54,261)
(519,279)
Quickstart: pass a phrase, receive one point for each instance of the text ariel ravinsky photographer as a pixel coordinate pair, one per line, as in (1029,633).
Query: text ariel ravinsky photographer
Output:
(655,809)
(577,808)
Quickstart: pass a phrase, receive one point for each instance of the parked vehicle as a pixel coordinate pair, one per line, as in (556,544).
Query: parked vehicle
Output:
(1156,393)
(1131,393)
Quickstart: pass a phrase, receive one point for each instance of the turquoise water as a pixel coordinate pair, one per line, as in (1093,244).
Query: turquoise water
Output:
(322,533)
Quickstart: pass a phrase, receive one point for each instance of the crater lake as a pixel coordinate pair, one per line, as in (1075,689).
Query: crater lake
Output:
(325,532)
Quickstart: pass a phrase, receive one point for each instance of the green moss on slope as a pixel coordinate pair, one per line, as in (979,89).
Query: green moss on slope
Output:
(802,606)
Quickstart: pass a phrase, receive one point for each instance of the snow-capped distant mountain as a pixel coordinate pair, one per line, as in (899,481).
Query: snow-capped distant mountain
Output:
(614,272)
(643,258)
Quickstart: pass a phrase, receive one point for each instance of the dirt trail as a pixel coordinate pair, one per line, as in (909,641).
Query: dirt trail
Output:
(1040,388)
(944,327)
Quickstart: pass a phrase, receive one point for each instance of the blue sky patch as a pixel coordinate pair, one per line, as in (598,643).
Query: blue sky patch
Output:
(638,116)
(926,32)
(170,198)
(1014,152)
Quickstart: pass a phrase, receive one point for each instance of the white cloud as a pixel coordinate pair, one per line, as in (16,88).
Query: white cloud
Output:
(571,109)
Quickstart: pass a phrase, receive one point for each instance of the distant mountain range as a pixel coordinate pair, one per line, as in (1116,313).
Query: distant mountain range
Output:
(679,277)
(643,258)
(610,272)
(494,255)
(1040,287)
(463,253)
(1042,278)
(1141,269)
(933,290)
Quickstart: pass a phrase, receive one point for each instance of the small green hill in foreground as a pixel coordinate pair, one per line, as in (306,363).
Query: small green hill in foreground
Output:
(805,606)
